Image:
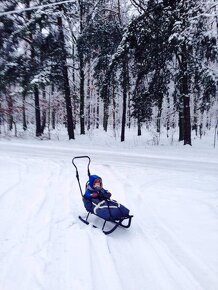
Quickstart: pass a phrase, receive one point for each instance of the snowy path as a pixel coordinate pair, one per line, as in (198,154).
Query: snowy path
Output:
(171,245)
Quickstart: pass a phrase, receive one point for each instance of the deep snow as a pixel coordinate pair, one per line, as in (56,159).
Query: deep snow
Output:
(172,191)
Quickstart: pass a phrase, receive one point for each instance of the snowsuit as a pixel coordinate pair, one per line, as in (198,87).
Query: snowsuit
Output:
(97,200)
(101,192)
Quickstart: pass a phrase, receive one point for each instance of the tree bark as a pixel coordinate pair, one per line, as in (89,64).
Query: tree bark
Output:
(35,87)
(195,119)
(70,128)
(43,111)
(10,111)
(181,125)
(53,114)
(185,96)
(106,114)
(114,105)
(24,112)
(88,98)
(187,121)
(0,118)
(139,128)
(129,110)
(97,112)
(74,86)
(82,95)
(159,106)
(184,88)
(37,111)
(82,76)
(125,86)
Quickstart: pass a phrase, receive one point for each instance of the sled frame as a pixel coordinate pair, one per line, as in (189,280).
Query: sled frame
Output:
(117,222)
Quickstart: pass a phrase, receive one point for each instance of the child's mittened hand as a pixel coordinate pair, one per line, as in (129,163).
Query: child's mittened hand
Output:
(94,194)
(107,194)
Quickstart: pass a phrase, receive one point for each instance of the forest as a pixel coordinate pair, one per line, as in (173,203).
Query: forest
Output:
(109,64)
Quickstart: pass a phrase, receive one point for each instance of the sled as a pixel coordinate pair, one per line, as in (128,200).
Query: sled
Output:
(114,222)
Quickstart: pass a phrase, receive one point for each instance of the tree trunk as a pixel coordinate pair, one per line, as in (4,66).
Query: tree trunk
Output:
(114,106)
(88,98)
(53,114)
(125,86)
(215,134)
(106,102)
(82,75)
(187,121)
(106,114)
(184,88)
(160,101)
(168,117)
(37,111)
(181,125)
(186,98)
(97,112)
(74,86)
(0,118)
(24,112)
(15,129)
(195,117)
(139,128)
(35,87)
(43,111)
(70,127)
(129,110)
(49,116)
(82,94)
(10,112)
(53,110)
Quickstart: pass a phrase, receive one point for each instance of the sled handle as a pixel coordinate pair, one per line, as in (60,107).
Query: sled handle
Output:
(79,157)
(77,173)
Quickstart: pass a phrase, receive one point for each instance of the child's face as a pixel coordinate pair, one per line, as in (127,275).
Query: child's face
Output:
(97,184)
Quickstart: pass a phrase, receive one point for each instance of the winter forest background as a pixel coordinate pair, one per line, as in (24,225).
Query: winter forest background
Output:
(111,64)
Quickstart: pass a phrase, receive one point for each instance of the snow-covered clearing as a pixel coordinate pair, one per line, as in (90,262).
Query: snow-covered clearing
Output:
(172,243)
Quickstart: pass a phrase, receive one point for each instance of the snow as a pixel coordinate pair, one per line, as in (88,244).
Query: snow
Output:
(172,191)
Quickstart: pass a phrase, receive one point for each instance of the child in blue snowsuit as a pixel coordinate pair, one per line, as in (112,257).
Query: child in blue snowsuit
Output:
(97,200)
(95,189)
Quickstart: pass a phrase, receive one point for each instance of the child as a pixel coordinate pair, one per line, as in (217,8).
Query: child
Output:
(95,189)
(97,200)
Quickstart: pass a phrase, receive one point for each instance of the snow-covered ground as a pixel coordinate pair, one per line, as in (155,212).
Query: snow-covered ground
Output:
(172,191)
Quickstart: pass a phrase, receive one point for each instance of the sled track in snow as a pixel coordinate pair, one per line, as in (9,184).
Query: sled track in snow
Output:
(172,243)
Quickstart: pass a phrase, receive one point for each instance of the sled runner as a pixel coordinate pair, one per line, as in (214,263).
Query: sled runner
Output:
(110,211)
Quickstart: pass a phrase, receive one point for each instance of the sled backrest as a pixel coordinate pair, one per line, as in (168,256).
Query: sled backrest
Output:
(86,186)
